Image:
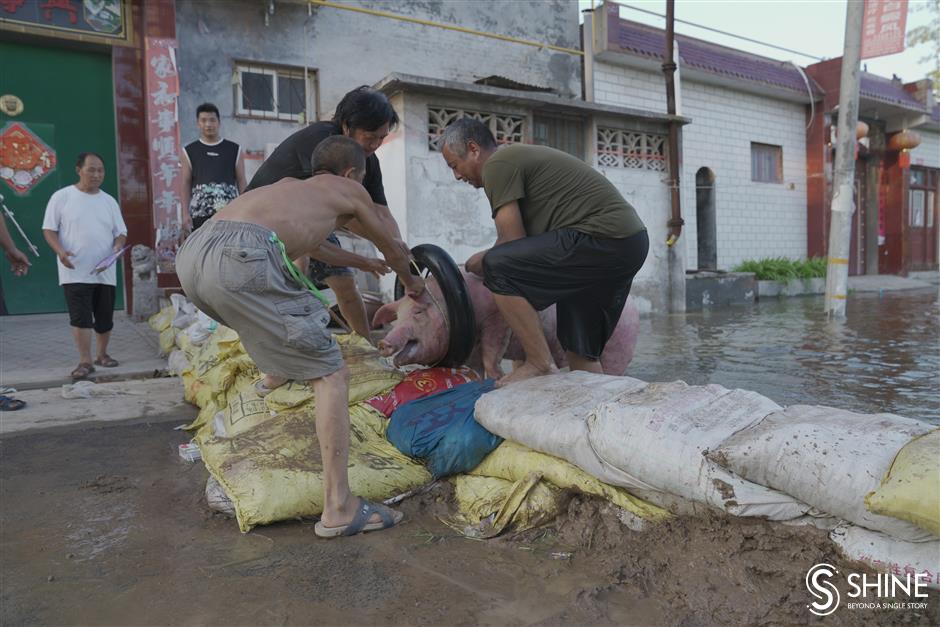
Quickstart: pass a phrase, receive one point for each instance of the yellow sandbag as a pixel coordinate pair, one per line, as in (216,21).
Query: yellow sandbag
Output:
(162,319)
(274,472)
(515,462)
(167,340)
(911,489)
(488,505)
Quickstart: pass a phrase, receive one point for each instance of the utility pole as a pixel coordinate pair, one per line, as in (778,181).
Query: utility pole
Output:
(675,257)
(843,185)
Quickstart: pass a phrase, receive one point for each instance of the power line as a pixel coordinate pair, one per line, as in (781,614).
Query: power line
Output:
(726,33)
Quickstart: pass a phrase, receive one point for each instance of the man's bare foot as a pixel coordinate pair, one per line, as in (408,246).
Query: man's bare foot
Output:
(525,371)
(268,384)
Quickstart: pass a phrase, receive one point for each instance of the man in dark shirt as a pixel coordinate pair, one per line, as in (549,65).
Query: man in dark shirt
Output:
(213,170)
(366,116)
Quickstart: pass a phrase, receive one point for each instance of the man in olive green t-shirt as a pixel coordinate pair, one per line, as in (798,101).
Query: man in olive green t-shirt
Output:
(564,236)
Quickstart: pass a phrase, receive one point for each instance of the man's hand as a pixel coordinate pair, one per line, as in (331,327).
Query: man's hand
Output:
(64,258)
(19,262)
(414,286)
(376,267)
(474,264)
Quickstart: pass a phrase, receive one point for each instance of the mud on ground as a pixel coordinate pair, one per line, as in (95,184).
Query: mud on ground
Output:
(106,525)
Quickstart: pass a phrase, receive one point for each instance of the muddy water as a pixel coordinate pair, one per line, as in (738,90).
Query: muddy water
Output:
(884,358)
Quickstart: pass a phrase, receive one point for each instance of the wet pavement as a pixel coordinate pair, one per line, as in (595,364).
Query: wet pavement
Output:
(884,358)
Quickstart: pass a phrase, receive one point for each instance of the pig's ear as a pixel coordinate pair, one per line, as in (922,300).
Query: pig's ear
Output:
(385,314)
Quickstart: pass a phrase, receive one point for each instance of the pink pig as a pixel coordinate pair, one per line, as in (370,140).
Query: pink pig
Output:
(419,332)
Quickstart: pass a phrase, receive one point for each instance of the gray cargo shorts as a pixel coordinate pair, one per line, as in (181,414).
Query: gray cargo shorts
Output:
(234,273)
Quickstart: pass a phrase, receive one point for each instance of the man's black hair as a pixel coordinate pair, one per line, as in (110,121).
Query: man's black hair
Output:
(208,107)
(80,163)
(336,154)
(366,109)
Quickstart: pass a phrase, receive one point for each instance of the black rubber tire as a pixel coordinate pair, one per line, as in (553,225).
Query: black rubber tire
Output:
(456,298)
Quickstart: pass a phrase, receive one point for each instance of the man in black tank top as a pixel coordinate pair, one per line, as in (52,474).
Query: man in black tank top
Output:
(213,170)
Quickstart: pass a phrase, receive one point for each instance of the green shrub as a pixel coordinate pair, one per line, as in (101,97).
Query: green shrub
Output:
(783,269)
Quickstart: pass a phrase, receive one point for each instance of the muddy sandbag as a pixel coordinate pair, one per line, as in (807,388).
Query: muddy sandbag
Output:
(489,506)
(440,429)
(549,414)
(657,437)
(890,555)
(274,471)
(829,458)
(514,462)
(911,489)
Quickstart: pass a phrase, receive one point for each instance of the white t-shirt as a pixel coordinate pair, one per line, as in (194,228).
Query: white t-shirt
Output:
(87,225)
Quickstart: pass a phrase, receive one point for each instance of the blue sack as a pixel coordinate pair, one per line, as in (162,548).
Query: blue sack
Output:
(442,430)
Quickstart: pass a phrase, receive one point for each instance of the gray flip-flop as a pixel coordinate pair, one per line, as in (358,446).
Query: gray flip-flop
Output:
(360,522)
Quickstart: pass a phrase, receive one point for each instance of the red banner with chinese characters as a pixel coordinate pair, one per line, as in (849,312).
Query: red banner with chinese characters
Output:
(883,27)
(164,142)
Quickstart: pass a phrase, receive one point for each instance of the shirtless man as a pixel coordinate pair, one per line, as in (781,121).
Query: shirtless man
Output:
(235,269)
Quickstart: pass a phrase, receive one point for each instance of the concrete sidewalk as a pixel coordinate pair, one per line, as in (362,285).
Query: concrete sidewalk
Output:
(37,351)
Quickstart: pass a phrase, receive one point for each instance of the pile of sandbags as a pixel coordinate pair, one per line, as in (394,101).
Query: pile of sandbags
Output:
(678,445)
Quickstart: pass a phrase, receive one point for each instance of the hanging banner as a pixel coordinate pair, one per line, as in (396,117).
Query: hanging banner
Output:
(164,142)
(883,27)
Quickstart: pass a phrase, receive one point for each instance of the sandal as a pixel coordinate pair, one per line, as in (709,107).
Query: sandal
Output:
(106,361)
(84,369)
(8,403)
(360,522)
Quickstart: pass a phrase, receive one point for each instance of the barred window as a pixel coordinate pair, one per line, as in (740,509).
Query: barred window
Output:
(507,129)
(561,133)
(766,163)
(273,92)
(618,148)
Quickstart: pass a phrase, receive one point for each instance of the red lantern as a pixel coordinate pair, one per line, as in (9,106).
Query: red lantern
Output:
(905,140)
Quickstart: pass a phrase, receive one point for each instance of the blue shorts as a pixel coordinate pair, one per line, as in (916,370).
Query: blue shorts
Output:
(320,270)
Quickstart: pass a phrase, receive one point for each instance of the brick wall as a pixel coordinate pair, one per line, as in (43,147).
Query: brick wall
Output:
(754,220)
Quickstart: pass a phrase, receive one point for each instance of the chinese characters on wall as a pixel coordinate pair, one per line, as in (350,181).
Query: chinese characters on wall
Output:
(164,144)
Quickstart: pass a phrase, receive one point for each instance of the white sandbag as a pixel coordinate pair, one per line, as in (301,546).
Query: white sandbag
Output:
(890,555)
(549,414)
(658,435)
(829,458)
(177,362)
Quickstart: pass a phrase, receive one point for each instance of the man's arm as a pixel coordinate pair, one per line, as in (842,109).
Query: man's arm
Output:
(19,262)
(240,172)
(374,230)
(119,242)
(509,227)
(337,256)
(52,238)
(187,174)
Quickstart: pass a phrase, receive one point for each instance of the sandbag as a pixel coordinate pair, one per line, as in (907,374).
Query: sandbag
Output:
(514,462)
(889,555)
(911,489)
(829,458)
(420,383)
(657,437)
(558,414)
(274,471)
(489,506)
(441,430)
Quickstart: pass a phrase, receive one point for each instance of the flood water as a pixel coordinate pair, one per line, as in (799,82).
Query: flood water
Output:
(885,357)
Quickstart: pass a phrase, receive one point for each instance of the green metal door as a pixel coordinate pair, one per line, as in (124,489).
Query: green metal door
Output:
(68,108)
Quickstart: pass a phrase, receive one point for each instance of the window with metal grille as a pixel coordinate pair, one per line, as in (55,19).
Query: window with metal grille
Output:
(561,133)
(274,92)
(507,129)
(766,163)
(618,148)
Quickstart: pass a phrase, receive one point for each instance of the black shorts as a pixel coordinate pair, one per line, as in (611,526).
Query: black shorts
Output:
(587,278)
(320,270)
(90,305)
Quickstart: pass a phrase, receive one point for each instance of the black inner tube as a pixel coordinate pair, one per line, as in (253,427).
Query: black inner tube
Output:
(456,298)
